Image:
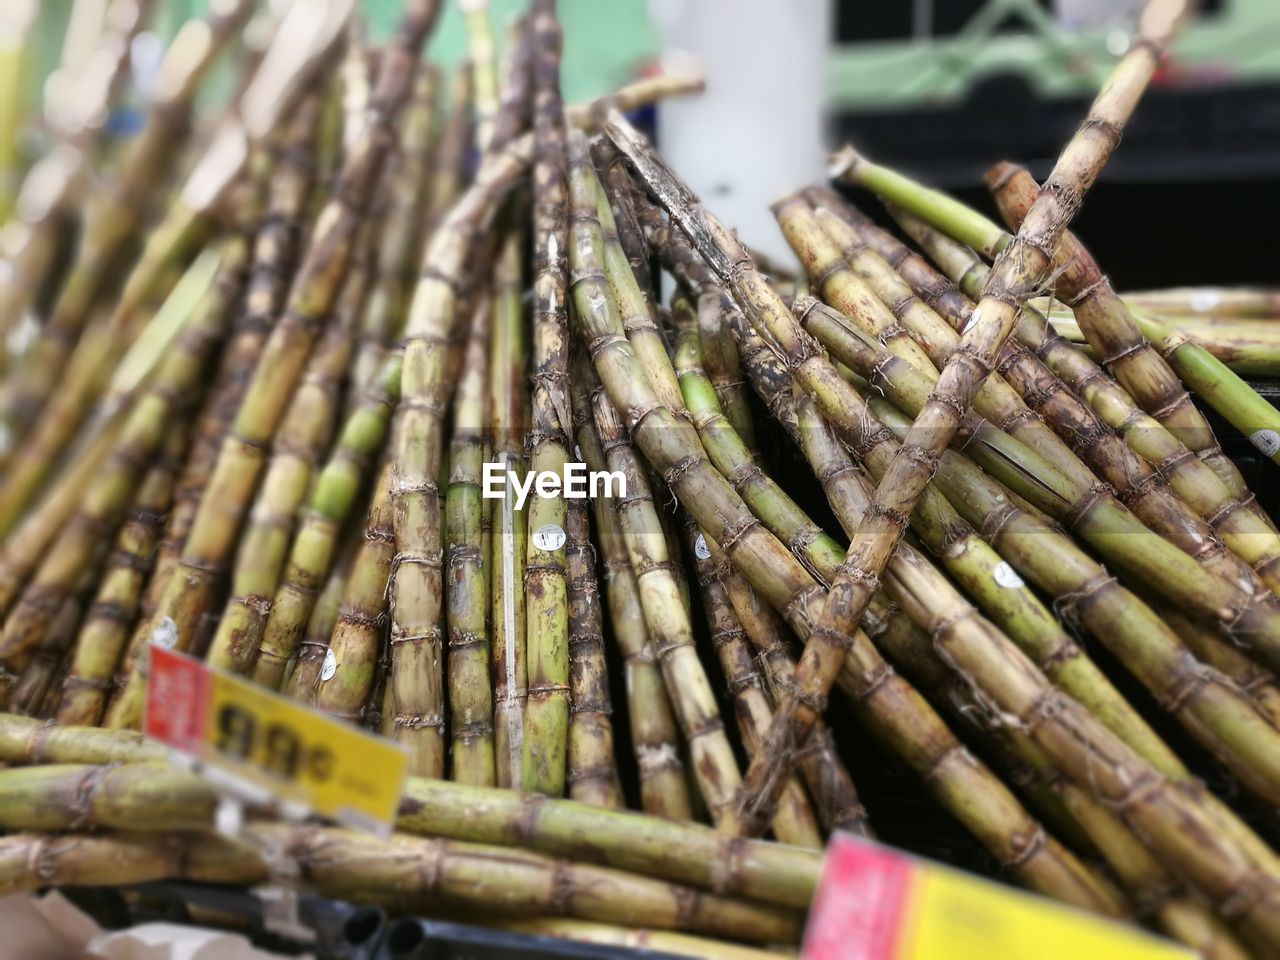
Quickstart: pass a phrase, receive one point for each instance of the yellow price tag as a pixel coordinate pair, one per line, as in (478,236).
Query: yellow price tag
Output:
(271,746)
(874,903)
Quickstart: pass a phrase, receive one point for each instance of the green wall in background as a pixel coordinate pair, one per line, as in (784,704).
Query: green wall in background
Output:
(605,40)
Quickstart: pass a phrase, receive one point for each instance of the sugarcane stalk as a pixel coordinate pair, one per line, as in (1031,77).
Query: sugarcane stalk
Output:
(973,563)
(795,822)
(104,503)
(288,163)
(46,664)
(329,504)
(1114,334)
(1208,646)
(664,790)
(25,548)
(592,772)
(406,873)
(116,214)
(302,676)
(1134,481)
(430,335)
(189,590)
(510,527)
(1089,504)
(673,447)
(714,766)
(681,852)
(1246,350)
(1218,301)
(416,584)
(468,567)
(301,441)
(45,201)
(662,941)
(830,785)
(401,232)
(103,636)
(546,735)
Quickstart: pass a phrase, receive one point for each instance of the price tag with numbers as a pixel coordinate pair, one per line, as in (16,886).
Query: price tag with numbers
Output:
(874,903)
(265,746)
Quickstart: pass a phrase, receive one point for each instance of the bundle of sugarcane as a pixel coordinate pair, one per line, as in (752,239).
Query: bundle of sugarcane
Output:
(319,449)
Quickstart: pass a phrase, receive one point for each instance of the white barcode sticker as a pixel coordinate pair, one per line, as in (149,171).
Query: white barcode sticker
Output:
(548,537)
(1268,441)
(1006,576)
(700,548)
(165,633)
(330,666)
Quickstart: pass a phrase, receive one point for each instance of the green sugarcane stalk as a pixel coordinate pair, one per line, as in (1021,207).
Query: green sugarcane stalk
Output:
(1084,438)
(116,214)
(1115,335)
(509,526)
(416,587)
(189,590)
(302,675)
(655,736)
(103,636)
(833,791)
(681,852)
(1249,537)
(47,664)
(1219,301)
(431,332)
(287,163)
(404,873)
(46,200)
(674,448)
(1207,646)
(1240,741)
(974,564)
(592,771)
(714,765)
(468,567)
(1246,350)
(104,503)
(328,506)
(25,549)
(332,498)
(452,153)
(301,441)
(546,740)
(401,233)
(662,941)
(795,822)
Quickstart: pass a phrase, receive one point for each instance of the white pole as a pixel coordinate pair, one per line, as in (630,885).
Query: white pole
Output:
(757,132)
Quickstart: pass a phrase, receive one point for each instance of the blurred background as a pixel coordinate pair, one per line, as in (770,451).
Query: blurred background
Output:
(941,88)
